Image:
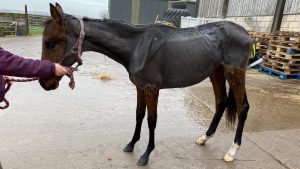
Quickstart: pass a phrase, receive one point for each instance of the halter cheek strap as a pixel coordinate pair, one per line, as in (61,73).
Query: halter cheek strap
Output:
(77,48)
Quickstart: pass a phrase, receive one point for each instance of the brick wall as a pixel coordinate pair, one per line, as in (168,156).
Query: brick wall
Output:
(254,15)
(254,23)
(290,23)
(264,23)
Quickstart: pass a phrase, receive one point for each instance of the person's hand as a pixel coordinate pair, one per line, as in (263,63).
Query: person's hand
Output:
(60,70)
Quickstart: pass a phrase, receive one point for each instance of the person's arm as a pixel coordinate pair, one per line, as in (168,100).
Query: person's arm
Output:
(13,65)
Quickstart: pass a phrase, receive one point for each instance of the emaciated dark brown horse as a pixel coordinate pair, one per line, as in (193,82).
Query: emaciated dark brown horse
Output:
(159,57)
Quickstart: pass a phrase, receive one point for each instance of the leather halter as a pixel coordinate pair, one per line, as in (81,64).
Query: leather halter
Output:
(77,48)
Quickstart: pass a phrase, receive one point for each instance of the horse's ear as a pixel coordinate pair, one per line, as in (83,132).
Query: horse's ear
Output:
(56,15)
(59,8)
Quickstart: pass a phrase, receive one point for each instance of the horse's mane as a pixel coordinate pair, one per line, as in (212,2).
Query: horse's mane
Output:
(65,17)
(113,22)
(120,23)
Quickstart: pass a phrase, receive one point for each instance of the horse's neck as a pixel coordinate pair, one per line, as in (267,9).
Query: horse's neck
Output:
(113,39)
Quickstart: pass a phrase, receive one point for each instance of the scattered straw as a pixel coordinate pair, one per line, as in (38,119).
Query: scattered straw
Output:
(102,76)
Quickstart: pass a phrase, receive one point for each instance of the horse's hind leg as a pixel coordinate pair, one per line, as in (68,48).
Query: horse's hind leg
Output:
(218,81)
(140,114)
(236,80)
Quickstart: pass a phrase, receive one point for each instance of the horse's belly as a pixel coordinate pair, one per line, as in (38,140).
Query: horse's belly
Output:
(184,77)
(182,83)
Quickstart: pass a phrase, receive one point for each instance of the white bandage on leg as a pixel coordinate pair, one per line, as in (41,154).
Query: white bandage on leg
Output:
(229,157)
(203,139)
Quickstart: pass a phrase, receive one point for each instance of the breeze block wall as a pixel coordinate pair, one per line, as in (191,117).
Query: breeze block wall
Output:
(254,15)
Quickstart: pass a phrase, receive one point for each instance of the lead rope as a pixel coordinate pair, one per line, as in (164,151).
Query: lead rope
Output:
(9,80)
(71,70)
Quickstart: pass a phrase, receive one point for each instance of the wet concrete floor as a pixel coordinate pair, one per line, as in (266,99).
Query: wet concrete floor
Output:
(88,127)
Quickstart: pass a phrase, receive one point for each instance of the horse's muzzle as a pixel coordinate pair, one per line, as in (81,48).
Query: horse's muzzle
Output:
(50,84)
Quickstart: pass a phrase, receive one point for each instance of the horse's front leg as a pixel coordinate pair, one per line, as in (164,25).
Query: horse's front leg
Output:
(140,114)
(151,96)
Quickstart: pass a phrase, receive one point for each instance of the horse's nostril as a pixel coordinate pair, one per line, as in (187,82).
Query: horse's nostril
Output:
(44,86)
(54,86)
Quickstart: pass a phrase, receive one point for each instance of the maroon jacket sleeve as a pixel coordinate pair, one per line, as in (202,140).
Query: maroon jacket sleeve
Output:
(13,65)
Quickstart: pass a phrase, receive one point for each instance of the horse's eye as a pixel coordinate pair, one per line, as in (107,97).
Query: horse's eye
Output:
(49,45)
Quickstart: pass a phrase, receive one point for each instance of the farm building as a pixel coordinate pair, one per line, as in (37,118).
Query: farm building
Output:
(252,14)
(255,15)
(144,11)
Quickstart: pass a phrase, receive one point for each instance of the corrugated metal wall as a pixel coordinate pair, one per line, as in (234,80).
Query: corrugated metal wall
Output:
(120,9)
(141,11)
(210,8)
(292,7)
(213,8)
(149,9)
(191,6)
(251,7)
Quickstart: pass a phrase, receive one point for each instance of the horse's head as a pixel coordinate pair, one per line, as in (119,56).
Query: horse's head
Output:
(57,39)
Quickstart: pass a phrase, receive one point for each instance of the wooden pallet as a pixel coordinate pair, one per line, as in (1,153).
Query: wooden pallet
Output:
(281,58)
(286,38)
(287,33)
(288,56)
(262,47)
(286,44)
(284,50)
(281,66)
(282,55)
(261,35)
(279,74)
(267,65)
(286,71)
(262,42)
(261,38)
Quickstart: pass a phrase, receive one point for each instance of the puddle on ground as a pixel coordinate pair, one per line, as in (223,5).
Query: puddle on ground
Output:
(274,103)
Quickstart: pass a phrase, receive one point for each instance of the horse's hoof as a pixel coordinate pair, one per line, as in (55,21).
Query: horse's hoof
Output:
(142,161)
(202,140)
(128,148)
(228,158)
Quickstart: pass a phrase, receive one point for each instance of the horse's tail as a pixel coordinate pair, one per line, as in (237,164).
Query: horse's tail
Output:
(231,109)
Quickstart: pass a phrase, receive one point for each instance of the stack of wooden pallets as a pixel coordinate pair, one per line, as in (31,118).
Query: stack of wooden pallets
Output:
(283,55)
(261,41)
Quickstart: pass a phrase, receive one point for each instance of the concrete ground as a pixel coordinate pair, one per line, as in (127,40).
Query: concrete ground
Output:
(88,127)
